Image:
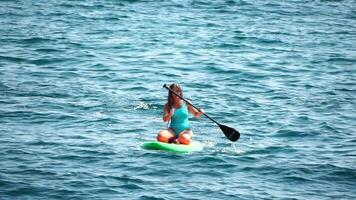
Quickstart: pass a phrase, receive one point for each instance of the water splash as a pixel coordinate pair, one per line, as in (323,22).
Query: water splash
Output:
(142,105)
(237,151)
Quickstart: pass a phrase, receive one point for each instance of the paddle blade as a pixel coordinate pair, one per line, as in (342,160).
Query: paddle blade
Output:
(231,134)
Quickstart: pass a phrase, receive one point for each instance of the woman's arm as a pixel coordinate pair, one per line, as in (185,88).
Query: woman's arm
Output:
(167,114)
(194,111)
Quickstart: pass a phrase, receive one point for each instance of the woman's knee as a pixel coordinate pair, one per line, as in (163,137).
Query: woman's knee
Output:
(164,136)
(185,138)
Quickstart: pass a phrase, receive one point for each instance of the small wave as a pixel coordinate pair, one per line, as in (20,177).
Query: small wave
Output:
(232,46)
(31,172)
(16,152)
(335,173)
(13,59)
(40,93)
(258,40)
(42,143)
(210,159)
(34,40)
(105,190)
(46,61)
(131,186)
(48,50)
(325,126)
(293,133)
(127,179)
(342,60)
(77,157)
(146,197)
(297,178)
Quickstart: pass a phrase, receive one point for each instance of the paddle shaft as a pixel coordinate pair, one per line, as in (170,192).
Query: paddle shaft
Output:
(165,86)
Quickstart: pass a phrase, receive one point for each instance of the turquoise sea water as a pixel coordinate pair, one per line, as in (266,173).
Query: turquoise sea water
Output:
(81,90)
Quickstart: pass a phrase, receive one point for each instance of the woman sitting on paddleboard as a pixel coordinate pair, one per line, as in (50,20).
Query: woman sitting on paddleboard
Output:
(176,111)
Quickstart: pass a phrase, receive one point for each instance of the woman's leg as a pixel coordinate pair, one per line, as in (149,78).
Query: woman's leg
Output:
(166,135)
(185,137)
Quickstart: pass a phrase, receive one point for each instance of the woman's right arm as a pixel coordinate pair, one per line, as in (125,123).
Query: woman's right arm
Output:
(167,114)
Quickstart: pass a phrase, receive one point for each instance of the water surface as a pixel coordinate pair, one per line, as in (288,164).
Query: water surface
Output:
(81,90)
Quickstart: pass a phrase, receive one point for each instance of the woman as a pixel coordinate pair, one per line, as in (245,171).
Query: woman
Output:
(176,111)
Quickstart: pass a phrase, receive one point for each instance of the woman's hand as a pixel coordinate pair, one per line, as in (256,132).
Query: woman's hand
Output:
(200,112)
(168,113)
(196,112)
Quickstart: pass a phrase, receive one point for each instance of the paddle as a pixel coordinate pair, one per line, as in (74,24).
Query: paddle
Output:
(231,134)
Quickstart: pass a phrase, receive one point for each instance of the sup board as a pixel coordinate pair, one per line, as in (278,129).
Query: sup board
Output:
(177,148)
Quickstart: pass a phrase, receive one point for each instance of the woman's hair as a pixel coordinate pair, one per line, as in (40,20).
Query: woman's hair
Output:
(175,87)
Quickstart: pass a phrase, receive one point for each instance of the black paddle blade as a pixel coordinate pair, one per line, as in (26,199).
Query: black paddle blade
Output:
(231,134)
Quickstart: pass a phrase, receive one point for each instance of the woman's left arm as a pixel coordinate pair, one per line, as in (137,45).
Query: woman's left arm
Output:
(195,111)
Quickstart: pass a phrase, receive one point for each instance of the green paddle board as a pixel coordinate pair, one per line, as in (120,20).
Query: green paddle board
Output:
(177,148)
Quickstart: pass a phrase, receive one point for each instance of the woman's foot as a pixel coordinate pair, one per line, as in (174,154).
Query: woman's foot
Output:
(174,140)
